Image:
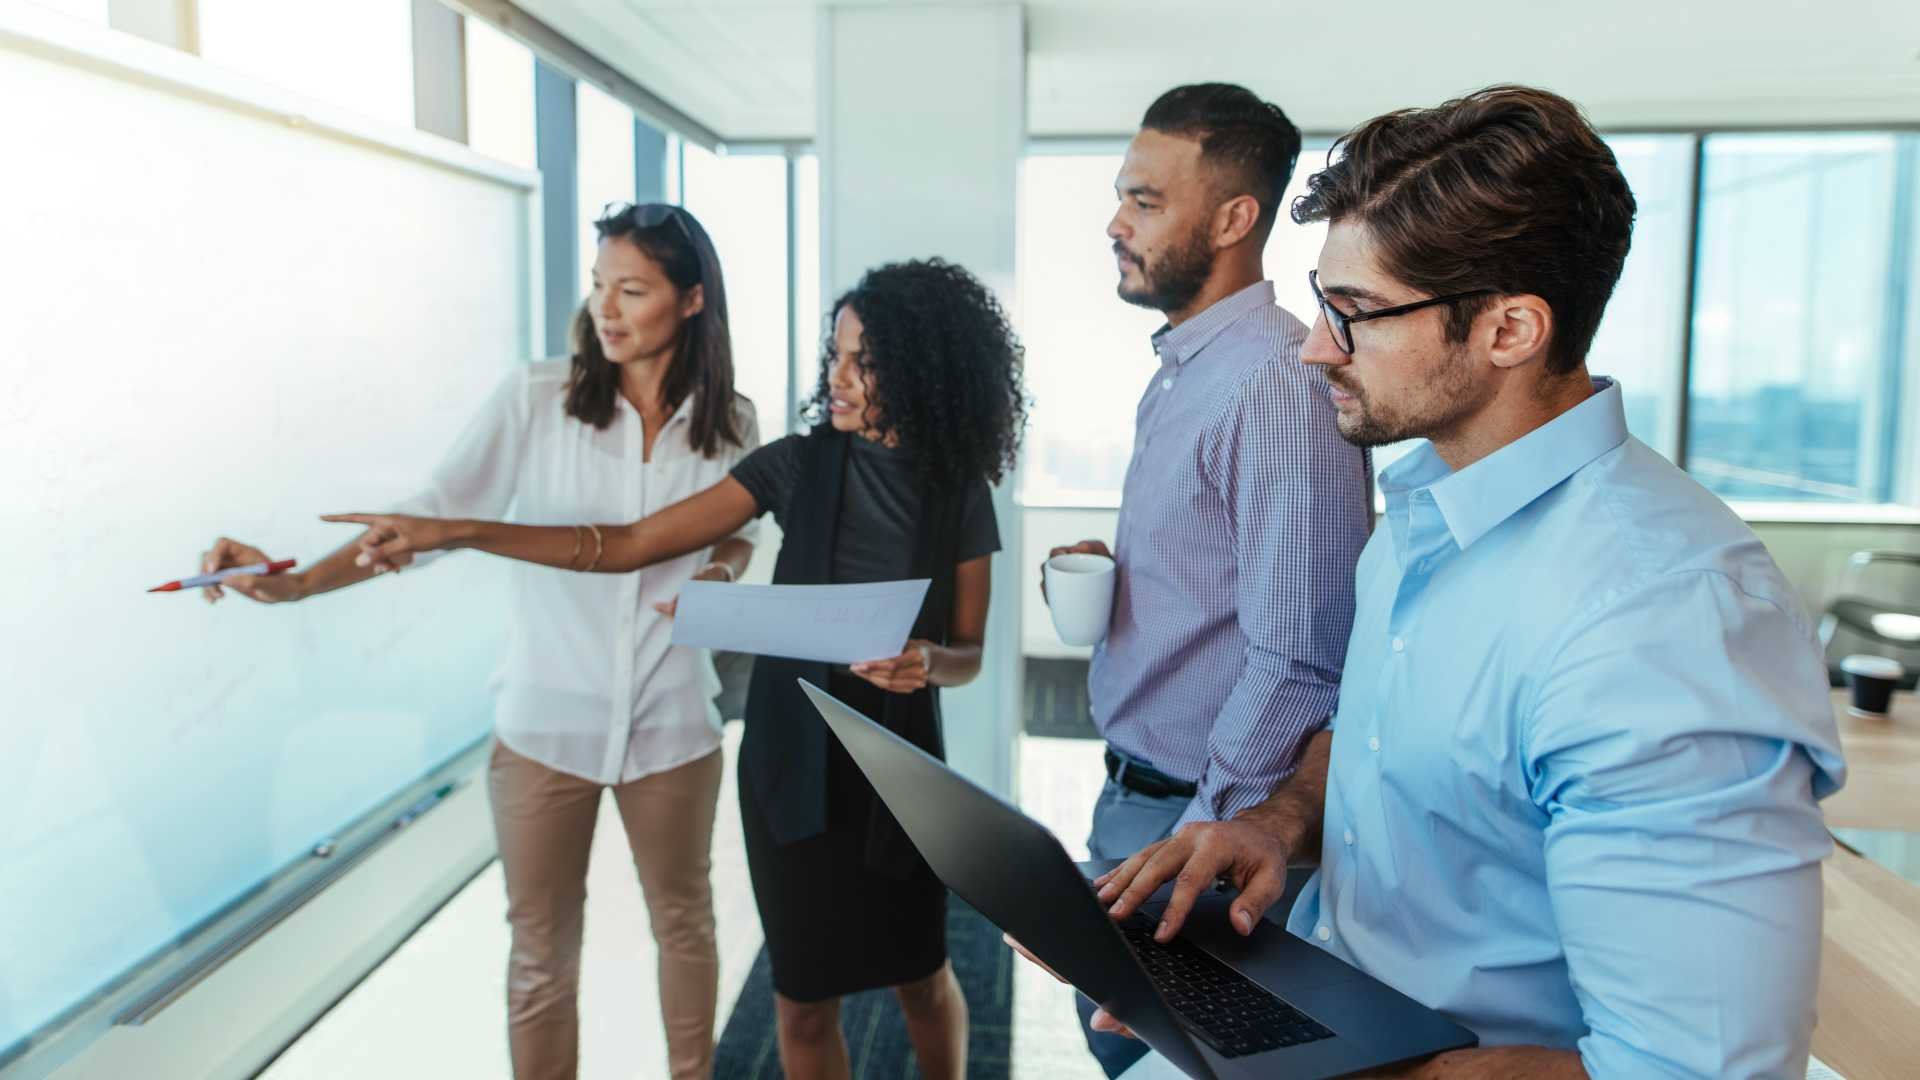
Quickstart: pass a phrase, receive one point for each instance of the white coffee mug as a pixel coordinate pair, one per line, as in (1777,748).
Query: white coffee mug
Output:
(1080,592)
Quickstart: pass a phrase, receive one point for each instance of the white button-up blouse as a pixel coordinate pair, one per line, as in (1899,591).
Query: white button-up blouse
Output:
(590,684)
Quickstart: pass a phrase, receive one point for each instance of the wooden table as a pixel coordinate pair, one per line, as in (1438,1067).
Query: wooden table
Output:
(1883,769)
(1869,1025)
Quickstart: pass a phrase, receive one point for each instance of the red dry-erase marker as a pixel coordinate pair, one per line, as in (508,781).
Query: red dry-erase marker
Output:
(221,575)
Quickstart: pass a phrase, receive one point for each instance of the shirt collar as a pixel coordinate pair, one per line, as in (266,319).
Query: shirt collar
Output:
(1184,342)
(684,412)
(1475,500)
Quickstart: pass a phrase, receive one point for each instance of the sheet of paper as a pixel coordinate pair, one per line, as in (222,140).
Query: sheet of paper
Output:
(837,624)
(1820,1070)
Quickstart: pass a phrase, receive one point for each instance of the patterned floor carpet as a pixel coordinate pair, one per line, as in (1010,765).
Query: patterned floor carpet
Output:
(876,1036)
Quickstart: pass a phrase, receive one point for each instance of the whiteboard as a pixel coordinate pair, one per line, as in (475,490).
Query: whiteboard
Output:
(215,322)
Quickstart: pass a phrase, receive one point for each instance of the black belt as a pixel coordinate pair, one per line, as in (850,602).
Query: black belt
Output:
(1146,779)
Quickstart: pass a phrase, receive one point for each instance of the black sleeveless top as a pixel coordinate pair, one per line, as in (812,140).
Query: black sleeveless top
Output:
(783,755)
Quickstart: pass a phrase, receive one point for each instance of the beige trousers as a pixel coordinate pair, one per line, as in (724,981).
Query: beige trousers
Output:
(544,821)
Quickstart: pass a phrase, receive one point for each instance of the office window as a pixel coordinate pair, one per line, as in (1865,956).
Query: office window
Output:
(354,54)
(673,187)
(1796,337)
(1805,324)
(1639,342)
(605,169)
(809,314)
(741,199)
(1087,352)
(499,96)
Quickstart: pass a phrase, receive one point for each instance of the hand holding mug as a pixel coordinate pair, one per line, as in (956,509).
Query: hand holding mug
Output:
(1078,582)
(1084,547)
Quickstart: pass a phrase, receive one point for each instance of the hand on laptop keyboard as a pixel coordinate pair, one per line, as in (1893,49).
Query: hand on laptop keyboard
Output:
(1248,854)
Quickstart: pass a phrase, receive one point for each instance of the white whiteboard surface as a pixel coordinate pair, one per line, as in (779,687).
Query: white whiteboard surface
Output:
(214,322)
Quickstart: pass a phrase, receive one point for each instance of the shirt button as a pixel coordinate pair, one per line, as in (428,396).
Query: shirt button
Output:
(1323,933)
(1373,744)
(1166,384)
(1349,838)
(1399,645)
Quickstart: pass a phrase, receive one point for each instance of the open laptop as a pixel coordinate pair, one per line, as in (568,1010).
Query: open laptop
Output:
(1213,1003)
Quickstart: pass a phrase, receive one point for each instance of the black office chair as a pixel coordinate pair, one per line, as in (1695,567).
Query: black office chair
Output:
(1871,624)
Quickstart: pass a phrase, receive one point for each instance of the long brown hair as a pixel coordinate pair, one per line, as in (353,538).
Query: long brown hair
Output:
(703,362)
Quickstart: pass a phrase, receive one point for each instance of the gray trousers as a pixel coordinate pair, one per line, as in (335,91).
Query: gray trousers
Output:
(1123,823)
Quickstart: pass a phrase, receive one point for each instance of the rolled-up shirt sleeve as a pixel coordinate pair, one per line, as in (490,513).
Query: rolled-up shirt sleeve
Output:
(1297,497)
(1677,747)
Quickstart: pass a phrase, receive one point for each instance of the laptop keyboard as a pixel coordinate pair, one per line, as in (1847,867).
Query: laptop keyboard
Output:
(1227,1010)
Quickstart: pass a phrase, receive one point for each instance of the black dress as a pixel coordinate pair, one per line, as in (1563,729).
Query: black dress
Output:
(846,902)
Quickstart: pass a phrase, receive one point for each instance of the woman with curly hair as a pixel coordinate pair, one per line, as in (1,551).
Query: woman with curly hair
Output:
(918,409)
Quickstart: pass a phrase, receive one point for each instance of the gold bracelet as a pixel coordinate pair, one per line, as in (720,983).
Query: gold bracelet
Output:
(599,548)
(578,538)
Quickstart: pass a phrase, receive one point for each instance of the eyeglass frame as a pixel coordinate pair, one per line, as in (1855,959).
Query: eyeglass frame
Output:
(1343,322)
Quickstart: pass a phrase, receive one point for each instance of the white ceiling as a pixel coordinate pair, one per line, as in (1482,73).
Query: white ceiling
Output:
(746,68)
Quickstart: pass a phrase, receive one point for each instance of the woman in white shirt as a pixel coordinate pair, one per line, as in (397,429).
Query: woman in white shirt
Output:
(591,695)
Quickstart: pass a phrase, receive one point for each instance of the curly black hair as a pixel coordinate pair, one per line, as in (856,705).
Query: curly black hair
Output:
(946,369)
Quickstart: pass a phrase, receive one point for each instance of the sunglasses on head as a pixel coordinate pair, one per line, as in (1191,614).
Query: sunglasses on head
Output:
(648,215)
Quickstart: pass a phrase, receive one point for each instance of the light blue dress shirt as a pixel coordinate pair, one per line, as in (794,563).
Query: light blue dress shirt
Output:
(1581,734)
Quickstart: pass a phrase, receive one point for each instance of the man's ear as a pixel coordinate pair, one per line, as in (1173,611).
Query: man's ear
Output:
(1522,328)
(1235,220)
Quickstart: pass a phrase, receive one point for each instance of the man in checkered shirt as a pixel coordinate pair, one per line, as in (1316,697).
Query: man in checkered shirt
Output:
(1243,512)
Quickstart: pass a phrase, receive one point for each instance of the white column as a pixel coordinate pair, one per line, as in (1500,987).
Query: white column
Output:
(922,120)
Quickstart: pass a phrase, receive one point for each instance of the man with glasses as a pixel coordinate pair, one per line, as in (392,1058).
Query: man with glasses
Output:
(1243,511)
(1570,795)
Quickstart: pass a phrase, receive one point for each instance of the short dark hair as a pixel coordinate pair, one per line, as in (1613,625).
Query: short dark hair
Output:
(1508,189)
(1250,142)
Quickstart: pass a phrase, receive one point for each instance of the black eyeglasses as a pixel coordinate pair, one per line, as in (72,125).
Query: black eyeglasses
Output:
(648,215)
(1340,324)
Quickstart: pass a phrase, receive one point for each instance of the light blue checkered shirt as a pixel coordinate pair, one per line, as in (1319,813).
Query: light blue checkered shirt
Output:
(1243,515)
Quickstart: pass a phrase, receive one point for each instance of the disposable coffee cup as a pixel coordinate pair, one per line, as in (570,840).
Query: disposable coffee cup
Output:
(1873,679)
(1080,593)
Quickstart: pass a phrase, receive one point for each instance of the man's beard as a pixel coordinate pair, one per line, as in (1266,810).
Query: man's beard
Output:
(1174,279)
(1450,396)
